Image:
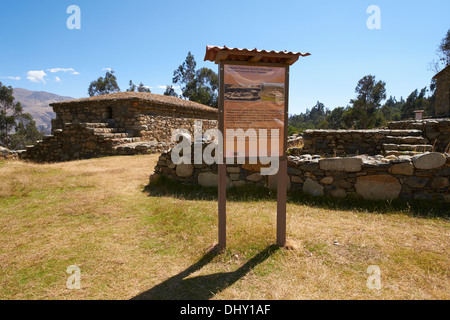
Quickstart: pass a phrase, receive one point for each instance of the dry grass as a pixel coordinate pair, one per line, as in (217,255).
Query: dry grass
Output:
(94,214)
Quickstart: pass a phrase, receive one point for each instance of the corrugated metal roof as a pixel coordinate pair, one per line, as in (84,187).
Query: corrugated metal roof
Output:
(216,54)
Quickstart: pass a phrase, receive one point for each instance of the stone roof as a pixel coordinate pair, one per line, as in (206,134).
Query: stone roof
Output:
(442,72)
(158,99)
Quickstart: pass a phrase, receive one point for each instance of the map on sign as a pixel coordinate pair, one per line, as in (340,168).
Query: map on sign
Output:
(254,103)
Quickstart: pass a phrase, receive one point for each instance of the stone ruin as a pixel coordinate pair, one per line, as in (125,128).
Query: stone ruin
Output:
(443,93)
(6,154)
(421,177)
(124,123)
(408,137)
(407,159)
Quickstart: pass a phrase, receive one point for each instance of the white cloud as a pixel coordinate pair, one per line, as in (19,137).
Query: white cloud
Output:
(57,79)
(36,76)
(107,69)
(71,70)
(11,78)
(164,87)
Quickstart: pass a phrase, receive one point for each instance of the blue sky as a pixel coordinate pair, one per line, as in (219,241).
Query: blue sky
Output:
(145,41)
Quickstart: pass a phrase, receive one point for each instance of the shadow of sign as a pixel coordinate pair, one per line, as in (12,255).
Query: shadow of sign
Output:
(203,287)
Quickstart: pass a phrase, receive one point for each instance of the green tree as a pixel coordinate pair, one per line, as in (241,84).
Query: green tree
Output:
(17,129)
(139,88)
(292,130)
(430,109)
(142,88)
(26,132)
(311,119)
(132,87)
(444,50)
(7,112)
(323,124)
(185,73)
(197,85)
(334,119)
(348,120)
(443,53)
(104,85)
(317,114)
(204,88)
(370,93)
(170,91)
(415,101)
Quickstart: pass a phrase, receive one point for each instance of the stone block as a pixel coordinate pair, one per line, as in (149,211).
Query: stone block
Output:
(406,169)
(378,187)
(431,160)
(210,179)
(440,183)
(272,182)
(184,170)
(312,187)
(254,177)
(338,193)
(341,164)
(239,183)
(234,176)
(416,182)
(296,179)
(233,169)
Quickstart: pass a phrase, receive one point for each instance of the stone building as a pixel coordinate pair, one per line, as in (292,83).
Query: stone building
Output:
(123,123)
(443,93)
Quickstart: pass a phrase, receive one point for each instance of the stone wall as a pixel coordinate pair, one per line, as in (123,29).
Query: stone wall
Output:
(160,128)
(120,114)
(6,154)
(424,176)
(124,123)
(443,93)
(436,131)
(73,141)
(342,143)
(92,140)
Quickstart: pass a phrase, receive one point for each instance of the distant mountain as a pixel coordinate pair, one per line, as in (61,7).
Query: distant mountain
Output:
(37,103)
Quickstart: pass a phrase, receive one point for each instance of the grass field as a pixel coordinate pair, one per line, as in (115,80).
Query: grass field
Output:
(156,244)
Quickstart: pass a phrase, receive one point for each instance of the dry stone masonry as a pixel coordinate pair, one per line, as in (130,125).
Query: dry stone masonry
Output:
(443,93)
(408,137)
(435,131)
(424,176)
(342,143)
(124,123)
(6,154)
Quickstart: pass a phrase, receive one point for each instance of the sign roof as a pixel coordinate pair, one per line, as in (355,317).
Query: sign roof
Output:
(216,54)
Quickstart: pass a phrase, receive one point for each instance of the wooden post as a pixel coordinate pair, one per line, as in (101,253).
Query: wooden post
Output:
(222,170)
(222,206)
(281,203)
(282,179)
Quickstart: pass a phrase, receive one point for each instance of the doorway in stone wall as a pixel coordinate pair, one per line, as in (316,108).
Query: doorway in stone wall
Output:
(108,114)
